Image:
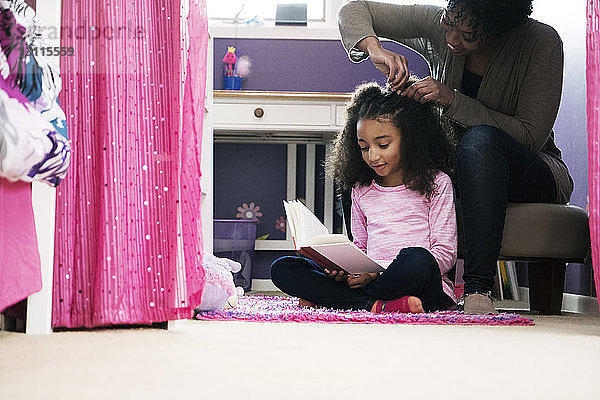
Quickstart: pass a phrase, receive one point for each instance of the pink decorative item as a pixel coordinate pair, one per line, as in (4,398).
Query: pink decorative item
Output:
(122,254)
(281,224)
(593,130)
(250,212)
(219,290)
(236,68)
(242,67)
(229,60)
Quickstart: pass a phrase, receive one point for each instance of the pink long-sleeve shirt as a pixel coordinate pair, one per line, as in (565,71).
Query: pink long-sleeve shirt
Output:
(387,219)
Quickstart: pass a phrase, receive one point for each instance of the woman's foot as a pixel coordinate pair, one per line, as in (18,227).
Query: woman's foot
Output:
(406,304)
(478,303)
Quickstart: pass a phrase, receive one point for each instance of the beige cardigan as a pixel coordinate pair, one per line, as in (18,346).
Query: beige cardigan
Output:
(521,88)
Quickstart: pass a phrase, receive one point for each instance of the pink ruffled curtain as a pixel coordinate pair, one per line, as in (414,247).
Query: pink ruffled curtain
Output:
(593,129)
(128,236)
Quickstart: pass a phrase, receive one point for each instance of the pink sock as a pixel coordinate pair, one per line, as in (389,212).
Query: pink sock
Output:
(306,304)
(397,305)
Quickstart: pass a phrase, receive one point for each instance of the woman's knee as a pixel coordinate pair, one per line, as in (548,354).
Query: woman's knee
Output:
(481,150)
(478,140)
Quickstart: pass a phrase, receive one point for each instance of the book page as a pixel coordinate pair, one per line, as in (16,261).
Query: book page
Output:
(303,223)
(329,238)
(290,219)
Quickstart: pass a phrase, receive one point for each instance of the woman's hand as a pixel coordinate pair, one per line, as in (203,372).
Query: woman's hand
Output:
(392,65)
(357,281)
(339,276)
(428,89)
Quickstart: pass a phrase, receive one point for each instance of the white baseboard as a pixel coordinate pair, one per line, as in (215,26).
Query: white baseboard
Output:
(572,303)
(580,304)
(264,285)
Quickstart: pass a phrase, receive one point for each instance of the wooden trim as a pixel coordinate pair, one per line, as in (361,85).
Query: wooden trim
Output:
(253,94)
(31,3)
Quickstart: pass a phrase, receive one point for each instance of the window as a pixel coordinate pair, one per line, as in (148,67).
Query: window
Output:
(441,3)
(244,10)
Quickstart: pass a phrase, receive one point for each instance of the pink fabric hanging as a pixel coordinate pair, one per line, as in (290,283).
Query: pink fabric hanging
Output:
(134,112)
(20,274)
(593,129)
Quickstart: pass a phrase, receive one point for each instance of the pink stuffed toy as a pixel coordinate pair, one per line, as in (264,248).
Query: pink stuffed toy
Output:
(219,290)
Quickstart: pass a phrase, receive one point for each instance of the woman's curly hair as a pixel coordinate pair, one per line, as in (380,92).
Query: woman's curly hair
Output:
(425,148)
(490,18)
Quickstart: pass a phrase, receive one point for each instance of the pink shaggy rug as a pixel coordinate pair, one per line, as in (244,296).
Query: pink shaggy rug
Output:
(286,309)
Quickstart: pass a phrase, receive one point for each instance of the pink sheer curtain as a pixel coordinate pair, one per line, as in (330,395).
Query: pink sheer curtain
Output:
(128,235)
(593,129)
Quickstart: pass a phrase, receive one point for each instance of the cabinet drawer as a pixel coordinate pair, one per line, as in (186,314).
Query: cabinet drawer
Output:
(272,114)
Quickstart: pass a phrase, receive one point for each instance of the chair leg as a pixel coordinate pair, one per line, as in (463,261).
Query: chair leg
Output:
(546,284)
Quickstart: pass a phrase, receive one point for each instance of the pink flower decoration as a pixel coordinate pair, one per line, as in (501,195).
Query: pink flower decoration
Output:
(280,224)
(248,212)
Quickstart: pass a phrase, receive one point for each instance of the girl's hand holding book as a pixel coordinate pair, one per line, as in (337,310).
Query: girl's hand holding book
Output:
(339,276)
(356,281)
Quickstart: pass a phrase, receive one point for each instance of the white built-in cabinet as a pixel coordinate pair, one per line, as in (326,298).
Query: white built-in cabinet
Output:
(290,118)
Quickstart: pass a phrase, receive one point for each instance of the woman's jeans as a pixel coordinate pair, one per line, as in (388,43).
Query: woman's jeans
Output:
(493,169)
(414,272)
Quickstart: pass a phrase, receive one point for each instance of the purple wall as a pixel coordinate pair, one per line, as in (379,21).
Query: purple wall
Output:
(304,65)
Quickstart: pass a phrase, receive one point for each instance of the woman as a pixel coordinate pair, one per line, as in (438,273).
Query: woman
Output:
(498,74)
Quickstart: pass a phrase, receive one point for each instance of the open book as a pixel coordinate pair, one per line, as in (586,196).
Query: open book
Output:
(329,250)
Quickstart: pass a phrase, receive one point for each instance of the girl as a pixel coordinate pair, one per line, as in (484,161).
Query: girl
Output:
(393,155)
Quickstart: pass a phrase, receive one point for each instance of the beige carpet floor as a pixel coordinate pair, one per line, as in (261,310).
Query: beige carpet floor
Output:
(558,358)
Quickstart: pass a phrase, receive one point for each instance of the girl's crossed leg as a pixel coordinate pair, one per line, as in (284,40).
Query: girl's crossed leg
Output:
(414,272)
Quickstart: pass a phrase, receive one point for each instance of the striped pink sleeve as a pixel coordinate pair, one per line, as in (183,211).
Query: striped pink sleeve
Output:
(358,220)
(442,222)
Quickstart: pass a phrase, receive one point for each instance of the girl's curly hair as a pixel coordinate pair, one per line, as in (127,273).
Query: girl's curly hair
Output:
(490,18)
(425,148)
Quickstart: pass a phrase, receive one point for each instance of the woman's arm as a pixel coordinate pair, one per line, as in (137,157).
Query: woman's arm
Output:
(442,224)
(392,65)
(538,97)
(359,19)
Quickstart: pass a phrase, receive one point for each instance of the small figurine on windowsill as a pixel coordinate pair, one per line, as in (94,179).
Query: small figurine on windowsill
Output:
(229,60)
(235,69)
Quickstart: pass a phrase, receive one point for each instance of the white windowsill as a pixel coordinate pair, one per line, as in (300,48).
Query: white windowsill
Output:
(313,31)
